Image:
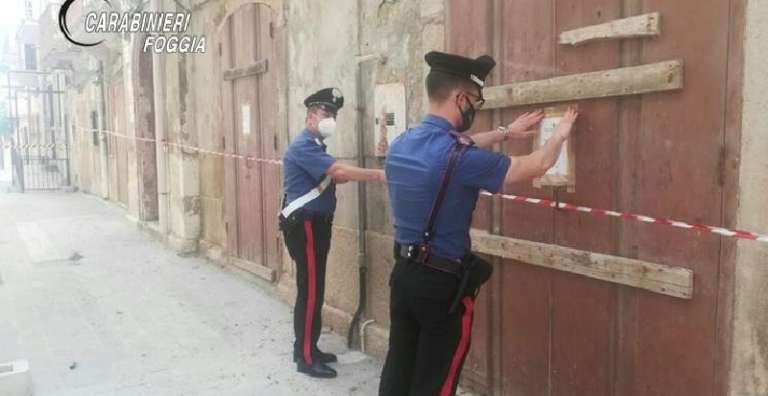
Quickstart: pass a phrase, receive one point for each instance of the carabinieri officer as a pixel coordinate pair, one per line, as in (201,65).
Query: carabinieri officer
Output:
(435,171)
(310,178)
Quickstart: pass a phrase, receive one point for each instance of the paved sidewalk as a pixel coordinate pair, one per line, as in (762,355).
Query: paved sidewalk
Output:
(98,308)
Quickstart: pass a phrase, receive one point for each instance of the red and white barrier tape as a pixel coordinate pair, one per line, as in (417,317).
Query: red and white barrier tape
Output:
(636,217)
(186,147)
(520,199)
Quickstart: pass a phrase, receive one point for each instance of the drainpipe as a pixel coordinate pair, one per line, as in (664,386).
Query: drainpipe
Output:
(362,333)
(362,202)
(158,81)
(361,210)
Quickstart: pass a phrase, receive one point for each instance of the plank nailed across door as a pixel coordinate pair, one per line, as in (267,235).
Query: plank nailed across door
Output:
(646,25)
(671,281)
(259,67)
(635,80)
(259,270)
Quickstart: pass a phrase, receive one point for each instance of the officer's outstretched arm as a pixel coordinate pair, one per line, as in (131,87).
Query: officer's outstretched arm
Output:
(520,129)
(537,163)
(342,173)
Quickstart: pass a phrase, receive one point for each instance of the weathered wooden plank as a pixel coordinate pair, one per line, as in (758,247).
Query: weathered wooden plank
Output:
(671,281)
(259,270)
(635,80)
(259,67)
(647,25)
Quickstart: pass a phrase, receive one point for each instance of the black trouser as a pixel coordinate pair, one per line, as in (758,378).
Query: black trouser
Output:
(427,344)
(308,240)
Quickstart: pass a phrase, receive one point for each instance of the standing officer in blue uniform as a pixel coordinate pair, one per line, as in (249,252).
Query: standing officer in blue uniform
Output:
(310,178)
(435,172)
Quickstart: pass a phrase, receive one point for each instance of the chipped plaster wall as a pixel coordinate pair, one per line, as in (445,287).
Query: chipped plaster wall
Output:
(401,32)
(749,354)
(183,166)
(132,182)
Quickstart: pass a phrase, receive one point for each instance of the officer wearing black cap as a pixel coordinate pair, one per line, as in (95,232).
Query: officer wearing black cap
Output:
(310,178)
(435,171)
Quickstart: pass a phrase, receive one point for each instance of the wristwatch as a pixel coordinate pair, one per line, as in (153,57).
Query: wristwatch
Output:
(504,131)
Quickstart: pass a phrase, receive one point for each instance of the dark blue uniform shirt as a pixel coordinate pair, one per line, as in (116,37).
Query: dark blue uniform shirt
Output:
(415,162)
(304,166)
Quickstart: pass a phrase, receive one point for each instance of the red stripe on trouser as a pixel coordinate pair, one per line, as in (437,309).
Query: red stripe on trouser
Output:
(461,350)
(311,285)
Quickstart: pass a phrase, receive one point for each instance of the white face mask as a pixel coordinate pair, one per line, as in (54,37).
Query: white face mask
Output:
(327,127)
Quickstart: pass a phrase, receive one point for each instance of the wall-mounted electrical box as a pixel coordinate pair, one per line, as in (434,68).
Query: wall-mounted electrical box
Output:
(390,115)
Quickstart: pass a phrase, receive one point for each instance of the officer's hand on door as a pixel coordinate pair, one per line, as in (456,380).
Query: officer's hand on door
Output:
(521,128)
(527,167)
(566,123)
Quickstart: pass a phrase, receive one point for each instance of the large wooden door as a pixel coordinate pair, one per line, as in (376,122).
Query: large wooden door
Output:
(249,92)
(118,145)
(545,332)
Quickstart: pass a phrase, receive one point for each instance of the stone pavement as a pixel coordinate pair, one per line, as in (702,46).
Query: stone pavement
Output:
(6,178)
(99,308)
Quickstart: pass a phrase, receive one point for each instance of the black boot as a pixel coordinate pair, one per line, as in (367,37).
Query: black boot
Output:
(320,356)
(316,369)
(325,357)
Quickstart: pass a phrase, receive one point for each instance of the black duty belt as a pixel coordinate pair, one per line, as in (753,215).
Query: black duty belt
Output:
(415,254)
(301,215)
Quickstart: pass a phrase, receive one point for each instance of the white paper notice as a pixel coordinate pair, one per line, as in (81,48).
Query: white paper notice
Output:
(245,112)
(548,125)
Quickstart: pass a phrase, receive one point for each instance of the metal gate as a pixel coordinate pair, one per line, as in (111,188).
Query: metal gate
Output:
(249,86)
(39,126)
(545,332)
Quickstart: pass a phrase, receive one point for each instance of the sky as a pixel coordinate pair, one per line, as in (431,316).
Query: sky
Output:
(9,18)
